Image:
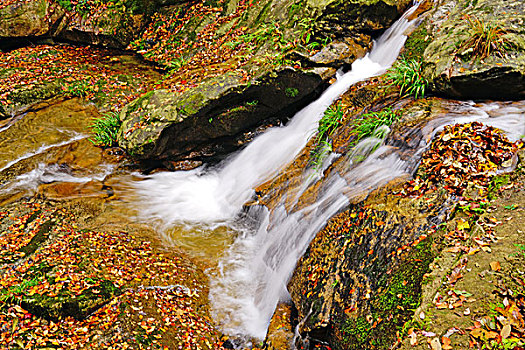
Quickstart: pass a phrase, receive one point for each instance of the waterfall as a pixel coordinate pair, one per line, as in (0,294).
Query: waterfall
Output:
(252,275)
(218,194)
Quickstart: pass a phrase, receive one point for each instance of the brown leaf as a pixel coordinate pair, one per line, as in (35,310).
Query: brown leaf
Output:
(495,266)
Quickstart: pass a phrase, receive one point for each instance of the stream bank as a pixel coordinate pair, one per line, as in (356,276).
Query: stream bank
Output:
(394,233)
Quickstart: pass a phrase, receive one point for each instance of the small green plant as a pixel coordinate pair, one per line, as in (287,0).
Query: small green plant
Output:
(79,89)
(408,76)
(252,103)
(505,344)
(521,250)
(331,119)
(105,129)
(291,92)
(486,38)
(369,123)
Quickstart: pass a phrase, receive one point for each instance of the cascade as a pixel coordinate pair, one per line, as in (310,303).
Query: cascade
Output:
(251,276)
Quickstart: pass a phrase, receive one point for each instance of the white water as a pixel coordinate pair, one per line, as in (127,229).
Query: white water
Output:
(217,195)
(45,173)
(254,272)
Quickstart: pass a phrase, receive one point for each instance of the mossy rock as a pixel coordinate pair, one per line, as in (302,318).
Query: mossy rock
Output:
(210,118)
(115,27)
(29,19)
(67,304)
(449,61)
(361,277)
(24,96)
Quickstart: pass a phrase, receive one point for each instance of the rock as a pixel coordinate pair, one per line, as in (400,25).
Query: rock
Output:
(449,60)
(280,331)
(211,118)
(29,19)
(346,18)
(355,285)
(114,27)
(338,53)
(220,111)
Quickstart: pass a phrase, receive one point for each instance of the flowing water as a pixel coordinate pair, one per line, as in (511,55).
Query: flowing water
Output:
(202,210)
(252,275)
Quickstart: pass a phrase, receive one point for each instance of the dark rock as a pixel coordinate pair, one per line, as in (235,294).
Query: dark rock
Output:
(29,19)
(163,125)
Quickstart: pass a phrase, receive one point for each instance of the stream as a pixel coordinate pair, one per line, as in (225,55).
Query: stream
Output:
(251,251)
(251,276)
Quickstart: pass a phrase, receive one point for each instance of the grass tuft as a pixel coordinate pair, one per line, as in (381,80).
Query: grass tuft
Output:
(105,129)
(369,123)
(408,76)
(331,119)
(486,38)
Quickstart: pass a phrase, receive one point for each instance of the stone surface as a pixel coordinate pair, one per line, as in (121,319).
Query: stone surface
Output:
(212,116)
(112,28)
(449,62)
(29,19)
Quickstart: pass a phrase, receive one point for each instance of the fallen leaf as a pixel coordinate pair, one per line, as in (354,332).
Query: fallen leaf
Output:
(435,344)
(495,266)
(505,331)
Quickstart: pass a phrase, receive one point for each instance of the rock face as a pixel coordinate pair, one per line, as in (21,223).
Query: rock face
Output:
(453,63)
(29,19)
(355,285)
(213,117)
(219,112)
(112,26)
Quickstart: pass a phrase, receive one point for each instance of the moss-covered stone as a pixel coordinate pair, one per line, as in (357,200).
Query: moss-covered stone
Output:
(449,60)
(24,96)
(274,39)
(211,118)
(29,19)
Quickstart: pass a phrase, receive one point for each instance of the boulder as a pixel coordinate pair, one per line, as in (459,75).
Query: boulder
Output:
(114,27)
(451,61)
(220,111)
(213,117)
(29,19)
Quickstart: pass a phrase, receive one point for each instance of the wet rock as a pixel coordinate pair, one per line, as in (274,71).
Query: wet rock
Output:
(68,190)
(453,66)
(338,53)
(209,119)
(346,18)
(114,28)
(29,19)
(361,275)
(280,333)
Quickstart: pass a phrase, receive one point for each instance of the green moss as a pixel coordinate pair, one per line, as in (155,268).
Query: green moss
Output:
(496,183)
(392,307)
(24,96)
(191,104)
(417,42)
(135,105)
(291,92)
(38,238)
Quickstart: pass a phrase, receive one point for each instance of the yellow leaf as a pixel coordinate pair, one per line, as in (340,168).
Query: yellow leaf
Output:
(462,224)
(495,266)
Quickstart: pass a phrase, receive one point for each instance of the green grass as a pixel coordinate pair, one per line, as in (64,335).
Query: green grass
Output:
(331,119)
(369,123)
(105,129)
(291,92)
(407,75)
